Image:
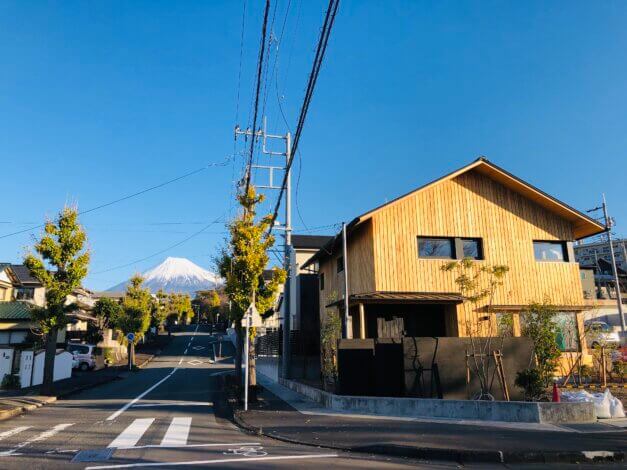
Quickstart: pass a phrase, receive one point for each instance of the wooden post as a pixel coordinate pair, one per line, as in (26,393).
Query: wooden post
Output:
(603,368)
(498,360)
(362,321)
(467,376)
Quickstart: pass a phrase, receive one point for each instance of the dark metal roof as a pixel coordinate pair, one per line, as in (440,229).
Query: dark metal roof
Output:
(14,311)
(23,275)
(403,298)
(310,241)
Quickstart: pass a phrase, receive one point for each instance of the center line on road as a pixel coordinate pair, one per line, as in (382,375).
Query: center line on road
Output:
(140,396)
(217,461)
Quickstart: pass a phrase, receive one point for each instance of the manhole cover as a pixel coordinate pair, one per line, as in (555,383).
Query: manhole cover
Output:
(93,455)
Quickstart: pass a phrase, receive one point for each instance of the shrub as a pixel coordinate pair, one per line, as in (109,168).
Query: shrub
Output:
(532,382)
(11,381)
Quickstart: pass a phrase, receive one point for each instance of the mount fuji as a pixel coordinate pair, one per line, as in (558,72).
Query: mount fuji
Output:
(176,275)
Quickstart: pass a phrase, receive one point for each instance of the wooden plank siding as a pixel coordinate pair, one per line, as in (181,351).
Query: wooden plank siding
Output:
(472,205)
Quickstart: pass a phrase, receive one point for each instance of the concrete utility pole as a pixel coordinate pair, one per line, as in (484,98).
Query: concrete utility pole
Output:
(608,224)
(347,332)
(287,226)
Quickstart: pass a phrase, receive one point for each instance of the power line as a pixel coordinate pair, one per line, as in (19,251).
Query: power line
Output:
(262,48)
(313,77)
(185,240)
(241,53)
(129,196)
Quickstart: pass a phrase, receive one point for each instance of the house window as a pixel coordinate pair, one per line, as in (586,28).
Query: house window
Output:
(321,281)
(567,331)
(25,293)
(471,248)
(549,251)
(340,264)
(431,247)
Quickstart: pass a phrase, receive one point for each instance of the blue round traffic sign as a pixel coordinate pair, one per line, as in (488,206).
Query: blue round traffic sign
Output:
(130,336)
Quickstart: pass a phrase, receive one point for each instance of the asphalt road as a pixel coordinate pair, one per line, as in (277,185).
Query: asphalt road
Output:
(168,415)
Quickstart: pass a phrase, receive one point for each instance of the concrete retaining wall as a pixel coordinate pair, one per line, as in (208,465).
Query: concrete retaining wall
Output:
(512,411)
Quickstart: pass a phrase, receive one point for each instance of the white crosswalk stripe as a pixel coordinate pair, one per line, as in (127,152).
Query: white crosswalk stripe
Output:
(12,432)
(40,437)
(175,436)
(177,432)
(133,433)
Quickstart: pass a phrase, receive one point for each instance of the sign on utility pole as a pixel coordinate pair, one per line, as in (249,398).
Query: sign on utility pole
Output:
(247,323)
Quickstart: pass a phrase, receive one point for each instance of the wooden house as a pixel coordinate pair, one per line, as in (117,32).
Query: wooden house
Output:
(395,254)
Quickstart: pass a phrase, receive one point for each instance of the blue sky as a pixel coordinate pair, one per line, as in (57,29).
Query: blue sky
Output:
(102,99)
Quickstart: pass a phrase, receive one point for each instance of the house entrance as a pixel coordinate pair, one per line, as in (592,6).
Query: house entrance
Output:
(414,320)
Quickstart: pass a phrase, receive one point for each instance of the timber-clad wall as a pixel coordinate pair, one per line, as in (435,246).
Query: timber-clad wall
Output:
(383,251)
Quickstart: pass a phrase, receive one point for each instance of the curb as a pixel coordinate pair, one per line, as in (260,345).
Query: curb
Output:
(457,455)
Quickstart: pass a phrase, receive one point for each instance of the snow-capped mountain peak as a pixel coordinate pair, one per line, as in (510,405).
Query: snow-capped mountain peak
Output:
(177,275)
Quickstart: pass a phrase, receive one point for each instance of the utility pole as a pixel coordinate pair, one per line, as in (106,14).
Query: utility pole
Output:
(608,230)
(347,333)
(271,169)
(608,224)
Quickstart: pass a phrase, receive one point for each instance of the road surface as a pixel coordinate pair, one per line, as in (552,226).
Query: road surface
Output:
(171,414)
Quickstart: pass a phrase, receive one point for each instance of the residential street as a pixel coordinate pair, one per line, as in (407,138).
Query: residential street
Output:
(171,412)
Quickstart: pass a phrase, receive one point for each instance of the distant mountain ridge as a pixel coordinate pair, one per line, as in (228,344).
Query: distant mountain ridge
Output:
(176,275)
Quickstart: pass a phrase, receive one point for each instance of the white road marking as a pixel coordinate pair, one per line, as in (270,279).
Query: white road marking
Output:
(181,403)
(217,461)
(132,434)
(40,437)
(177,432)
(191,339)
(195,362)
(185,352)
(180,361)
(140,396)
(156,446)
(13,432)
(198,348)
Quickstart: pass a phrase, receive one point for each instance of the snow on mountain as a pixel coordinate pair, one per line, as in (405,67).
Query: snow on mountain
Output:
(176,275)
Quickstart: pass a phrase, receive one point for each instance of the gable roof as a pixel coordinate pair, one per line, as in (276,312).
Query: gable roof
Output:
(583,225)
(310,241)
(23,275)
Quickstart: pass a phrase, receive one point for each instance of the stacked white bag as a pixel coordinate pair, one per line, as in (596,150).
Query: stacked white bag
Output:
(606,405)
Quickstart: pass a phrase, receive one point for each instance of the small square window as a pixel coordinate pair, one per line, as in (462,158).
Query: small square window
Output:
(340,264)
(431,247)
(549,251)
(472,248)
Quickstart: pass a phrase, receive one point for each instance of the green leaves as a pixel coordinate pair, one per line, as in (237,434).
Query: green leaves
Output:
(60,263)
(244,259)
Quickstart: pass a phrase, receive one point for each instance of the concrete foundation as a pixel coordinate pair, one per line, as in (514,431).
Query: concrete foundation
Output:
(512,411)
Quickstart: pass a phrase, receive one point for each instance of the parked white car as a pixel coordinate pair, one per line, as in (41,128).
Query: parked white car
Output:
(599,333)
(84,355)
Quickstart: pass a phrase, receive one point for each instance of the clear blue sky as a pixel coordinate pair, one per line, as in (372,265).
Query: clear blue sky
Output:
(101,99)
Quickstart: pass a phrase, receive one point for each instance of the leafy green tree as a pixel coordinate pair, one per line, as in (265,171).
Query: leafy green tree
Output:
(181,305)
(137,307)
(478,283)
(538,323)
(208,304)
(60,263)
(241,264)
(160,309)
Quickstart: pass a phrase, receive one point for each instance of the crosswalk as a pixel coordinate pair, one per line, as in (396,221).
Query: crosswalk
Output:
(176,435)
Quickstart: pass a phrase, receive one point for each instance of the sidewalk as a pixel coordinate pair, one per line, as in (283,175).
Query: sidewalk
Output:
(285,415)
(16,402)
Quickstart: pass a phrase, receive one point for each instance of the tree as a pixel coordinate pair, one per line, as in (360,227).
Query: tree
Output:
(60,264)
(478,283)
(160,309)
(538,323)
(107,312)
(242,263)
(181,305)
(137,307)
(208,304)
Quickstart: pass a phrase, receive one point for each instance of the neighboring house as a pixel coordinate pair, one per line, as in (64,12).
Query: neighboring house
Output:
(396,251)
(589,254)
(15,322)
(25,286)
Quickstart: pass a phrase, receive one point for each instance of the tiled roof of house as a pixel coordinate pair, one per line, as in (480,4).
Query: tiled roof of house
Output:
(23,275)
(310,241)
(14,311)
